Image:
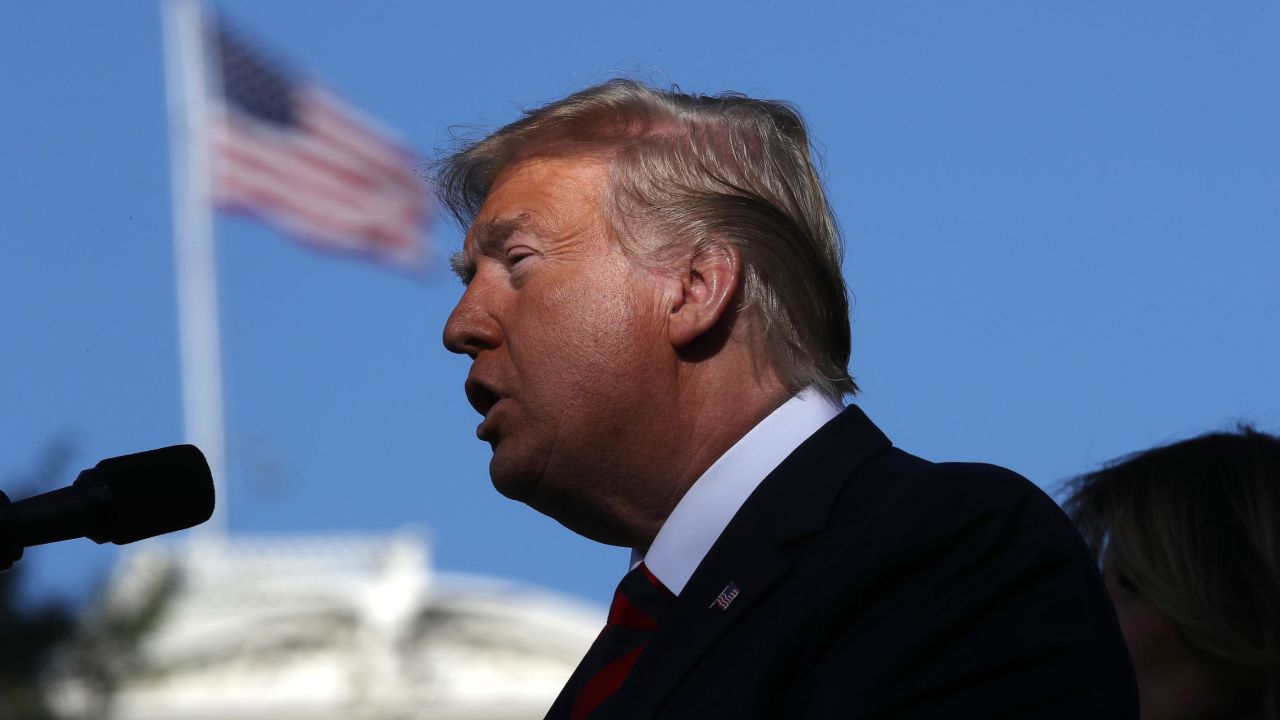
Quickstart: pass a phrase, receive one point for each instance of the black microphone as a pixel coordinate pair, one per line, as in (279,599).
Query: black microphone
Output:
(119,500)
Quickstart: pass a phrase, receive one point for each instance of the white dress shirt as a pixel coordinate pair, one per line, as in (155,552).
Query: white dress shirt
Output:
(712,501)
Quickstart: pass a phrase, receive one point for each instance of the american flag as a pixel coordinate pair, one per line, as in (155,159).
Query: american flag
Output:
(725,597)
(285,150)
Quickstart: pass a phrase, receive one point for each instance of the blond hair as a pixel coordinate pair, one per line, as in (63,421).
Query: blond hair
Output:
(690,173)
(1195,528)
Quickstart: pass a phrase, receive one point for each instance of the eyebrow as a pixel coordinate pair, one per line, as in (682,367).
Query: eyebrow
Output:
(489,236)
(462,267)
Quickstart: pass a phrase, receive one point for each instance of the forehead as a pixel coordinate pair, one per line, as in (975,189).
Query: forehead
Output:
(554,194)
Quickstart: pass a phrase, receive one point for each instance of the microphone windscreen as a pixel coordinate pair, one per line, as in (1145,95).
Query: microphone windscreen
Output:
(156,492)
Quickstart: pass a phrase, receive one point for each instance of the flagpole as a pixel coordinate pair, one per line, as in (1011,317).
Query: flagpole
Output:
(194,255)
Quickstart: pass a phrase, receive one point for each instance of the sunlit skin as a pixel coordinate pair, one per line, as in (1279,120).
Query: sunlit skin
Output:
(1173,683)
(606,388)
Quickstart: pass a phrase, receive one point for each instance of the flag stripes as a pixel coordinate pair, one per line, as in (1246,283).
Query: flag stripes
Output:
(289,152)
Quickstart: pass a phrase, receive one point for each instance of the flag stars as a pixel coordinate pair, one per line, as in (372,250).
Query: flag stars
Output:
(251,82)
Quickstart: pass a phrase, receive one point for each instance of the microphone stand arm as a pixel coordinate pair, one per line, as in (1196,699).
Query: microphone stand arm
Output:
(10,548)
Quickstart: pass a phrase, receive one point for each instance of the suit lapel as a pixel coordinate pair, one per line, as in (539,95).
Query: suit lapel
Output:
(694,622)
(792,502)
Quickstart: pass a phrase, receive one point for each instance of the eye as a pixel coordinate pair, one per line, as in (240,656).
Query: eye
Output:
(515,255)
(1125,583)
(1121,586)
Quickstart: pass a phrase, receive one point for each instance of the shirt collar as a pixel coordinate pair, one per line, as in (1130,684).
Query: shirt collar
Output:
(713,499)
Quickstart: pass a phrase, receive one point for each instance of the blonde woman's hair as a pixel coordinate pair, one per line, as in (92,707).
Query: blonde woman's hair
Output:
(1194,528)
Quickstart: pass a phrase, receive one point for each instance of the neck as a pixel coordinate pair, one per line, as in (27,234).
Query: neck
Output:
(714,409)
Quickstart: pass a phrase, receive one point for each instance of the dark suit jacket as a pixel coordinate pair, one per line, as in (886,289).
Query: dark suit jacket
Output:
(874,584)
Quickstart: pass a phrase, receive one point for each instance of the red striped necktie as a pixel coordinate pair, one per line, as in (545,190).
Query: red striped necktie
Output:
(638,606)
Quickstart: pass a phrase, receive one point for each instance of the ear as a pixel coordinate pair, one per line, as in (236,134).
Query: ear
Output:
(707,287)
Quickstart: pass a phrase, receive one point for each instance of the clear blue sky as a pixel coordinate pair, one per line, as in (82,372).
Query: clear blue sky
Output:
(1063,225)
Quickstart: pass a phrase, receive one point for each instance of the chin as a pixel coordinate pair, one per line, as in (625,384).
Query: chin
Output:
(522,477)
(512,481)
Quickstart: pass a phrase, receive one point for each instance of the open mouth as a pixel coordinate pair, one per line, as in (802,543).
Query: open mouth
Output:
(481,397)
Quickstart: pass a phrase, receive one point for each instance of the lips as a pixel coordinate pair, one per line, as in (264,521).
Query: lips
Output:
(481,396)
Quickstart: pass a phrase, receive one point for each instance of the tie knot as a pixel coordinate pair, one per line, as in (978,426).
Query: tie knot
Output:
(640,600)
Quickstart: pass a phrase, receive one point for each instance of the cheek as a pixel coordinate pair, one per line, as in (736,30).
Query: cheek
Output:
(1171,682)
(1149,635)
(578,334)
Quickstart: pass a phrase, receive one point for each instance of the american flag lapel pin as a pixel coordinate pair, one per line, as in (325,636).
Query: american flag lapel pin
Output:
(725,597)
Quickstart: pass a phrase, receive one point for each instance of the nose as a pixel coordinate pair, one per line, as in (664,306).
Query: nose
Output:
(471,327)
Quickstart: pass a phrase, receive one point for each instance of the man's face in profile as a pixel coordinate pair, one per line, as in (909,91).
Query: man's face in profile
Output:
(564,332)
